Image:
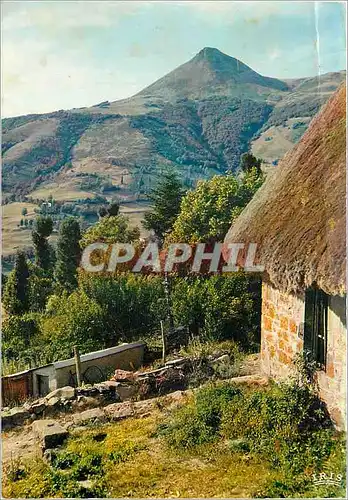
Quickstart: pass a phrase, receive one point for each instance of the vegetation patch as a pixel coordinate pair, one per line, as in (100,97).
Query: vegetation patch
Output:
(286,425)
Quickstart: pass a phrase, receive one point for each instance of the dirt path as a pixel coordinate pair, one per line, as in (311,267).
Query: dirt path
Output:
(19,443)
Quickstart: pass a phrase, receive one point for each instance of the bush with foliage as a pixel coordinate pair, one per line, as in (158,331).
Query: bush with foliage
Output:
(285,424)
(133,303)
(112,229)
(21,346)
(199,421)
(207,212)
(73,319)
(220,307)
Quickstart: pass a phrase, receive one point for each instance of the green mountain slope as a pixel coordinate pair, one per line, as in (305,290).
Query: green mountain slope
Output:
(198,120)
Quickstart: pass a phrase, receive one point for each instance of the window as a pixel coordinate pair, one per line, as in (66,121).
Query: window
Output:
(315,329)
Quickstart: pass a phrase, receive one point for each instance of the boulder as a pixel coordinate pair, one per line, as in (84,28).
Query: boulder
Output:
(38,408)
(87,390)
(19,415)
(62,393)
(111,384)
(124,376)
(102,388)
(6,420)
(87,416)
(53,402)
(117,411)
(125,392)
(144,408)
(50,433)
(84,402)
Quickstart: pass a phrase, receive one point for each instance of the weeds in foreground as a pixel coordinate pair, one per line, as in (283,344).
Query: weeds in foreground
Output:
(286,424)
(225,442)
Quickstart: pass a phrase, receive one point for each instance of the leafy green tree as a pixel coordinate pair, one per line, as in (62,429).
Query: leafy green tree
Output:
(73,319)
(24,211)
(222,307)
(132,302)
(208,211)
(42,250)
(68,254)
(18,337)
(112,229)
(166,199)
(15,297)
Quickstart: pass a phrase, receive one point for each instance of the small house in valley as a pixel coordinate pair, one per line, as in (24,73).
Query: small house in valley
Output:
(298,221)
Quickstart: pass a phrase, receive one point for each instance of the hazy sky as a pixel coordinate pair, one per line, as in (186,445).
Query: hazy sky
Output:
(68,54)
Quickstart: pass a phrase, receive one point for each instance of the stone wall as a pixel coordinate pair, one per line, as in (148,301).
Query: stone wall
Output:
(281,330)
(282,338)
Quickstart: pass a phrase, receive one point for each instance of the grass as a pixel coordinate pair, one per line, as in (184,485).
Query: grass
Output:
(278,140)
(13,237)
(64,191)
(136,463)
(138,458)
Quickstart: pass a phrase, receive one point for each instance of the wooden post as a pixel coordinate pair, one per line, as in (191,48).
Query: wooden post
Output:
(164,343)
(78,366)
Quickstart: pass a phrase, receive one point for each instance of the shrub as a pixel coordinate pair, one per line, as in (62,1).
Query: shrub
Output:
(287,423)
(199,422)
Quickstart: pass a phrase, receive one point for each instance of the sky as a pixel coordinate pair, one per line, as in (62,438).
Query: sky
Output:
(66,54)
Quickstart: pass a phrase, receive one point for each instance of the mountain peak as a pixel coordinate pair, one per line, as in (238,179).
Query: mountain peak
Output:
(209,72)
(208,52)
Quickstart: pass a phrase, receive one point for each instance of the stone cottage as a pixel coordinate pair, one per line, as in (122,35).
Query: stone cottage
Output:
(298,221)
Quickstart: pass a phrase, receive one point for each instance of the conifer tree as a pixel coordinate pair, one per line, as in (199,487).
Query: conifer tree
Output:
(43,253)
(166,199)
(68,254)
(16,292)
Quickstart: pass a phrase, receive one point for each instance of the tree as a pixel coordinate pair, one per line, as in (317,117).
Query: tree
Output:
(40,288)
(42,250)
(68,253)
(249,161)
(112,229)
(24,211)
(15,298)
(73,319)
(207,212)
(111,211)
(166,199)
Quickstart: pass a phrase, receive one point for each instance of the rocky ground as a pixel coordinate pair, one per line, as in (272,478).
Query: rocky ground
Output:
(43,424)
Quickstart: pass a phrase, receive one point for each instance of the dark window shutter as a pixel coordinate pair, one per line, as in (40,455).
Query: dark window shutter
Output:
(315,334)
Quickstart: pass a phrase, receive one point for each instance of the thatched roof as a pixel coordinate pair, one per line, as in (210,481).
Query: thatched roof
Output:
(298,216)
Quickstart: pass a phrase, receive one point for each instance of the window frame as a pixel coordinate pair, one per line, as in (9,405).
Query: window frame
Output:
(316,325)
